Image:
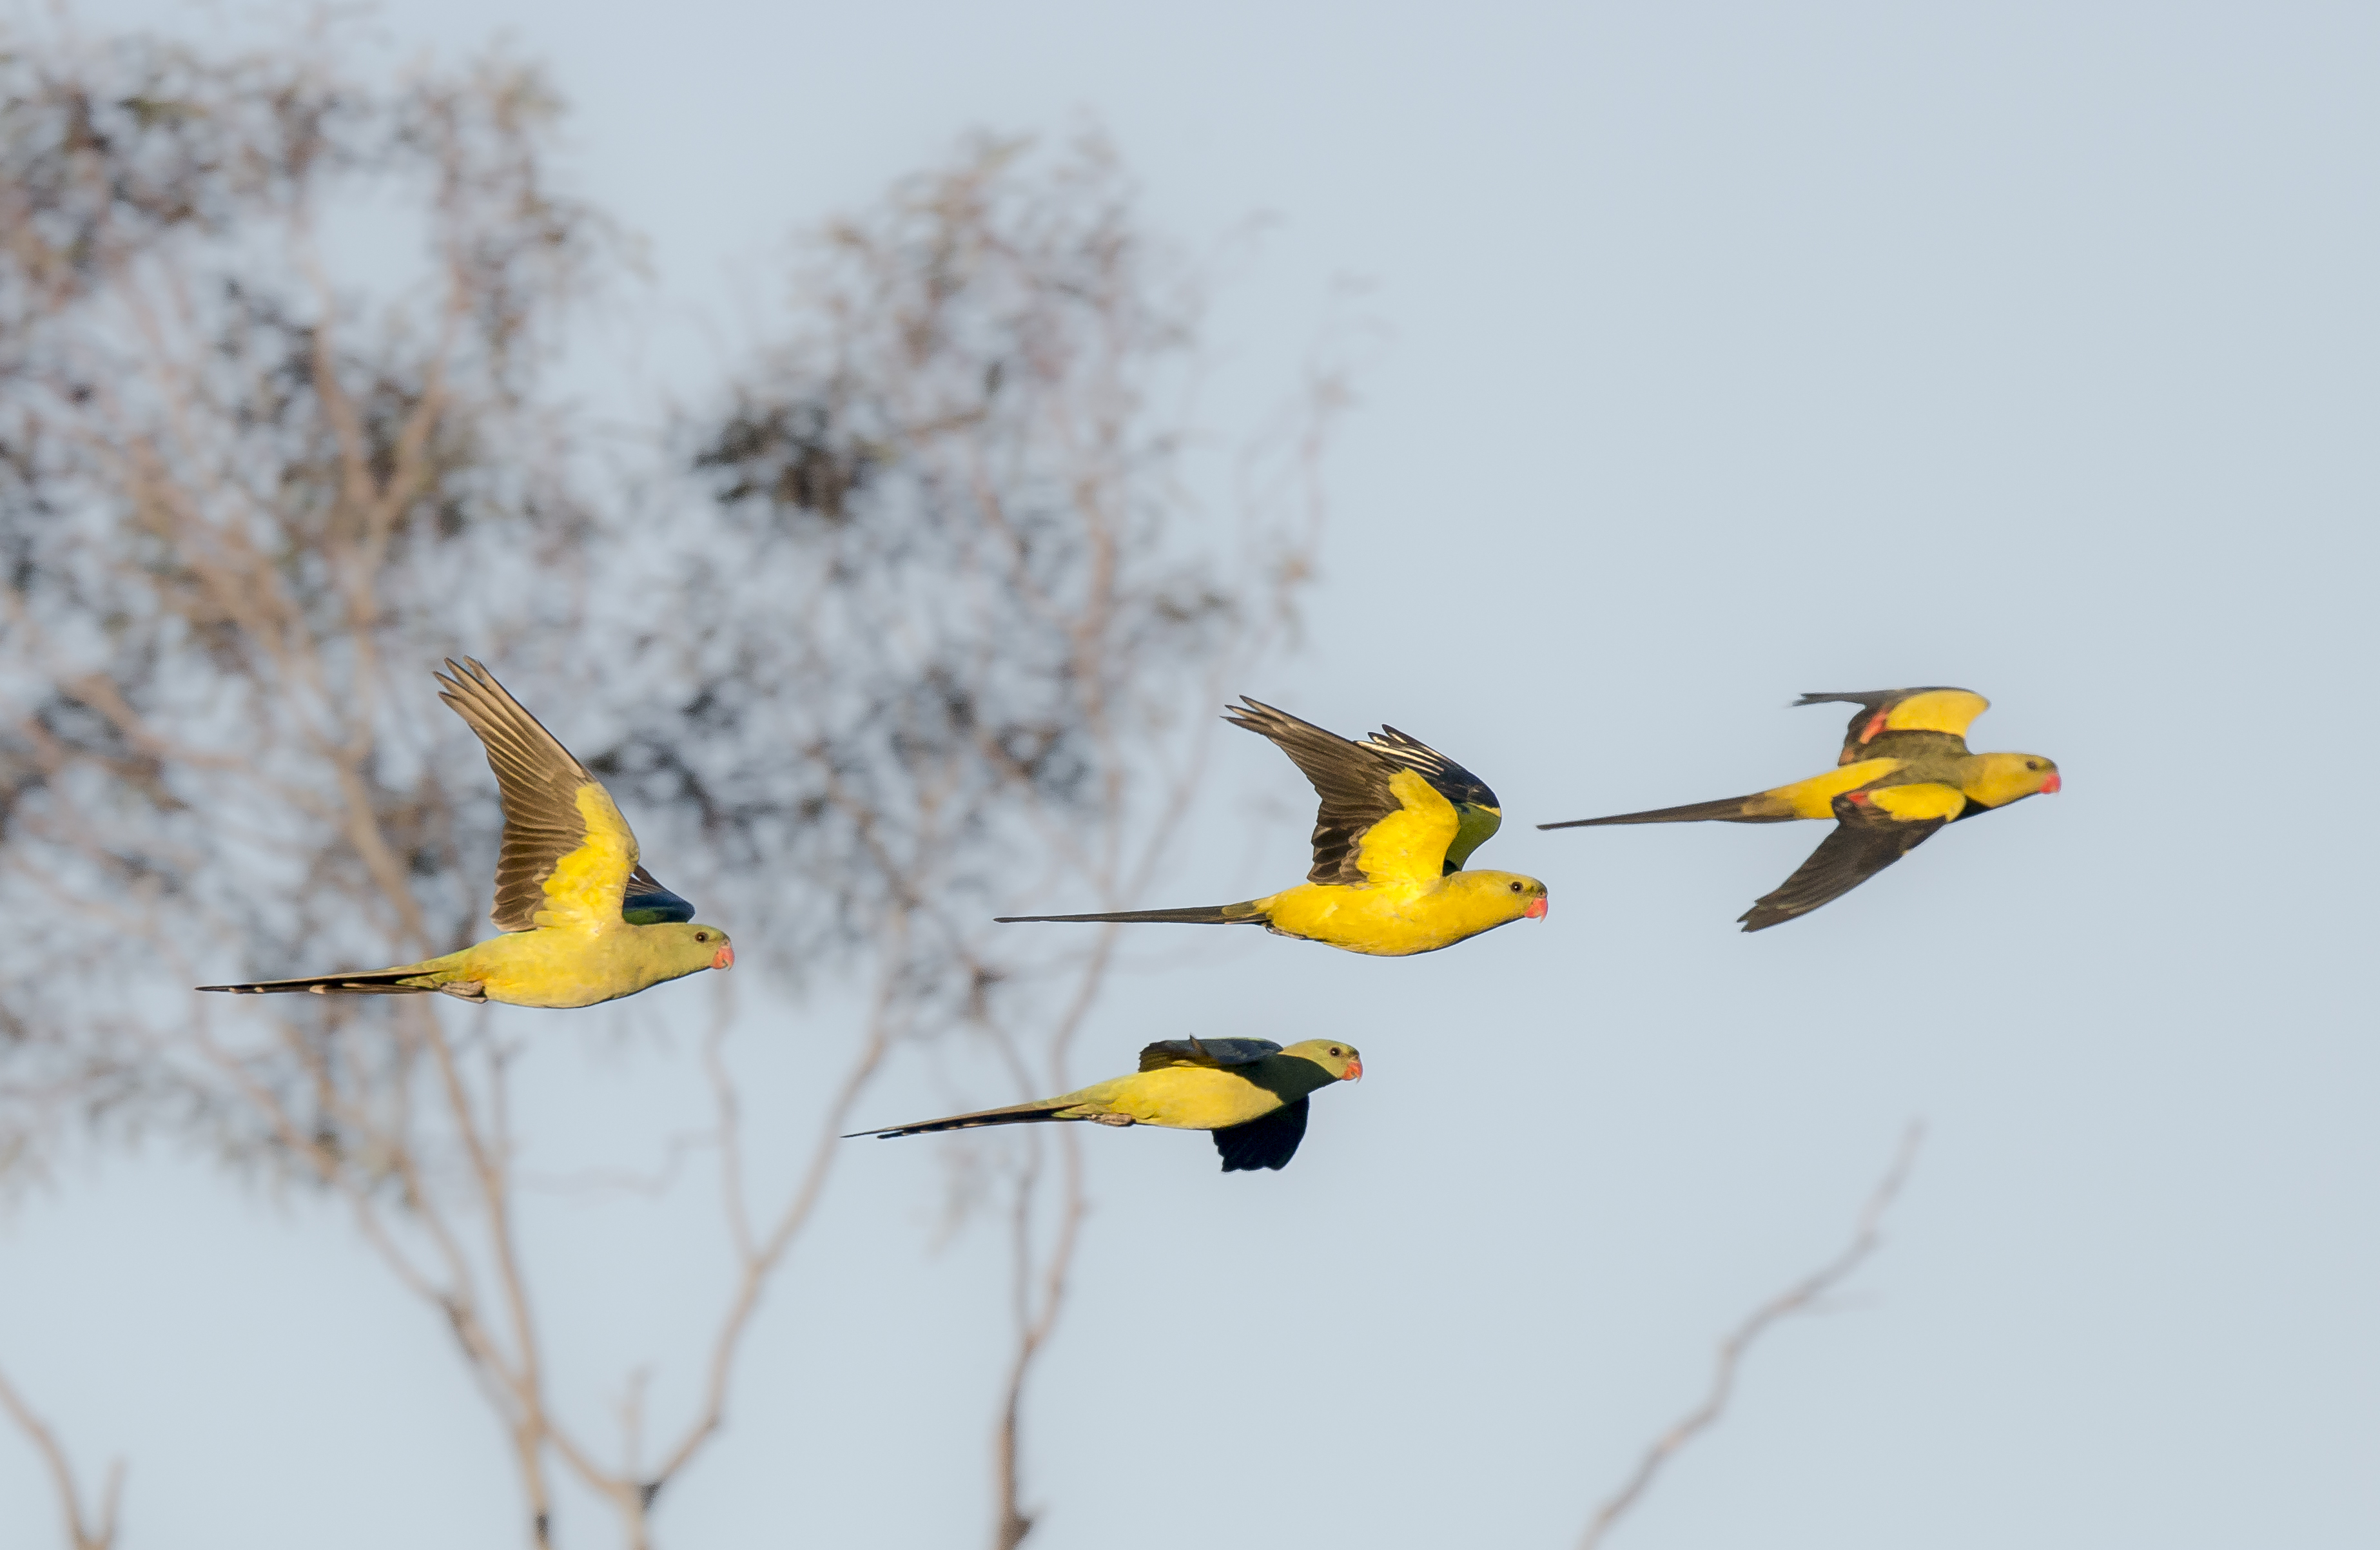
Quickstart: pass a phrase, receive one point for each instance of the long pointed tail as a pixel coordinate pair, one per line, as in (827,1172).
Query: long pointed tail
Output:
(383,982)
(1732,810)
(1202,915)
(1016,1114)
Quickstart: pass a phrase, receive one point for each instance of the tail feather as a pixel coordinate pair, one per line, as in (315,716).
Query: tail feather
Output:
(1016,1114)
(383,982)
(1201,915)
(1732,810)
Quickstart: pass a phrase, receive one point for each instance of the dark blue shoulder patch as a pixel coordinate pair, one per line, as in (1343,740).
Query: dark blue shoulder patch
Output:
(653,905)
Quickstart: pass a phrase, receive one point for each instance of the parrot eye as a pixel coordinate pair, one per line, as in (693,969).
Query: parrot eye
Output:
(702,936)
(1516,888)
(1336,1052)
(2033,764)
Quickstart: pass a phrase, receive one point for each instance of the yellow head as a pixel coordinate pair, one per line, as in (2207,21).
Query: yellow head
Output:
(1502,897)
(1997,780)
(1335,1055)
(682,948)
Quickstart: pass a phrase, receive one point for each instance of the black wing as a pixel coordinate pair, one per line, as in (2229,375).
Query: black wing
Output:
(1862,844)
(1267,1142)
(1219,1052)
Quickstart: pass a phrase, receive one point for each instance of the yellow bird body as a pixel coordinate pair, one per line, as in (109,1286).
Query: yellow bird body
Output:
(561,965)
(1250,1092)
(1815,798)
(1946,785)
(1398,820)
(583,922)
(1196,1097)
(1903,772)
(1400,918)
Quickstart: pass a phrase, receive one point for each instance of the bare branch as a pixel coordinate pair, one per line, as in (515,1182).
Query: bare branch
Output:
(84,1531)
(939,612)
(1804,1296)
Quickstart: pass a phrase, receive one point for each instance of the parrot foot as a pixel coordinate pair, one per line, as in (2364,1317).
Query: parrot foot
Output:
(466,990)
(1113,1119)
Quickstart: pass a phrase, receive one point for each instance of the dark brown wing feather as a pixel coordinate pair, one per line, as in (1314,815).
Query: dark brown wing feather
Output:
(1450,780)
(1861,846)
(538,781)
(1352,779)
(1267,1142)
(1216,1052)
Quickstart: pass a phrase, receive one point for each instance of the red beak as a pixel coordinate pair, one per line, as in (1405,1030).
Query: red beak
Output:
(1536,910)
(725,957)
(1355,1072)
(2053,783)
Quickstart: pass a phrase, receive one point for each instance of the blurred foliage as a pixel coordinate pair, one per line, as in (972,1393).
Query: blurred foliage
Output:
(245,504)
(924,615)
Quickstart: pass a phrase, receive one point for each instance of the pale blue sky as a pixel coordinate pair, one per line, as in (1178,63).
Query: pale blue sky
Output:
(1737,351)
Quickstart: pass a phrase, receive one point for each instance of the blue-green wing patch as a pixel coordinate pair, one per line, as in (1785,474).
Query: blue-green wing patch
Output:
(649,904)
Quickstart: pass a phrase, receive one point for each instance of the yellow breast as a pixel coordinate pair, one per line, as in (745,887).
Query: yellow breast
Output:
(1394,920)
(1192,1099)
(551,967)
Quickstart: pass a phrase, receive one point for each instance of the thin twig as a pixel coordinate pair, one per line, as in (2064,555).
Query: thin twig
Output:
(1802,1297)
(81,1532)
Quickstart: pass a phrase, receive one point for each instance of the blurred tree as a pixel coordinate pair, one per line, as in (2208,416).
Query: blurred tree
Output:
(958,604)
(276,435)
(244,507)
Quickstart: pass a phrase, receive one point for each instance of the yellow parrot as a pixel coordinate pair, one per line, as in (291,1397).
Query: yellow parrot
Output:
(583,922)
(1905,771)
(1398,821)
(1250,1092)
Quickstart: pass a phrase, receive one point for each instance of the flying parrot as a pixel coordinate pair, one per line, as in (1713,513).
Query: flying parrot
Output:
(583,922)
(1904,772)
(1398,821)
(1250,1092)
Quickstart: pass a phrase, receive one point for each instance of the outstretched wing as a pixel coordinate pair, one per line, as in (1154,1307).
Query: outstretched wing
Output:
(567,853)
(1381,820)
(1948,711)
(1479,815)
(1865,842)
(1267,1142)
(1448,779)
(1218,1052)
